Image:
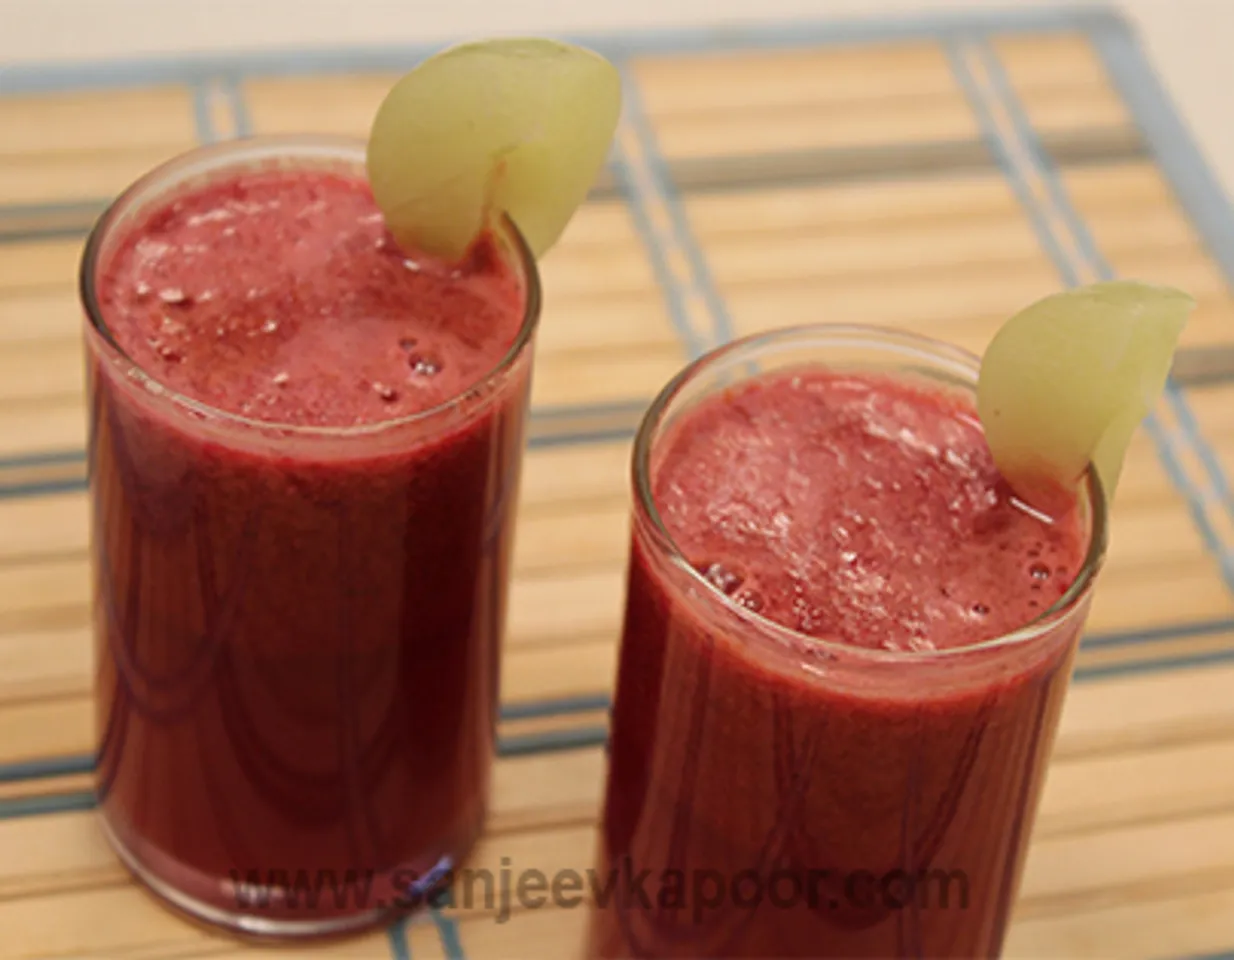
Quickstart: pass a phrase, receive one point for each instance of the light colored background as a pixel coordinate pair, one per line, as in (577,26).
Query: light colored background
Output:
(1190,41)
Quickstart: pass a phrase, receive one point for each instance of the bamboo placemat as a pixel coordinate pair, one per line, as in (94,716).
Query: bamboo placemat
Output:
(934,175)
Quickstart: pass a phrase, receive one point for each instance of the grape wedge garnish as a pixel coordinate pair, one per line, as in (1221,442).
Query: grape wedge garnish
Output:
(519,127)
(1067,381)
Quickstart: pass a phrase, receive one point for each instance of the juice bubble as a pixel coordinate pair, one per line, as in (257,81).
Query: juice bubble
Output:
(513,126)
(1067,381)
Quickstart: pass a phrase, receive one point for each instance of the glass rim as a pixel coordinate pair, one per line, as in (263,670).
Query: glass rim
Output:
(955,358)
(201,162)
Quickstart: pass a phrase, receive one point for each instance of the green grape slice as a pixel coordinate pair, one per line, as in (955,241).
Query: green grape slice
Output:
(1067,381)
(514,126)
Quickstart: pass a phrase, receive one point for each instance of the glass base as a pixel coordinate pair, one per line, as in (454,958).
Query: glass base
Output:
(260,925)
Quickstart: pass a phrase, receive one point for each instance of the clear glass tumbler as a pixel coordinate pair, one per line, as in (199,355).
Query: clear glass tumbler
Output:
(297,628)
(771,794)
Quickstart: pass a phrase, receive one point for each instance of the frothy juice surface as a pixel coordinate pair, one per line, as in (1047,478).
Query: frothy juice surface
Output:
(865,513)
(279,296)
(860,510)
(297,635)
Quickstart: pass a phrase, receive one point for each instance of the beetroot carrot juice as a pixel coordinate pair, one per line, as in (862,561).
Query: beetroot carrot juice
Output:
(304,456)
(846,645)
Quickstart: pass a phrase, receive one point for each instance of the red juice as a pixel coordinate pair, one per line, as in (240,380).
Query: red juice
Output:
(304,454)
(820,745)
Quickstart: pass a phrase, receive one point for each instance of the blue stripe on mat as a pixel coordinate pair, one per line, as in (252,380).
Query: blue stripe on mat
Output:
(1002,153)
(654,244)
(43,459)
(554,708)
(1127,638)
(1106,671)
(42,488)
(570,412)
(241,119)
(12,808)
(447,930)
(396,936)
(23,212)
(547,440)
(670,198)
(44,77)
(46,767)
(202,118)
(551,741)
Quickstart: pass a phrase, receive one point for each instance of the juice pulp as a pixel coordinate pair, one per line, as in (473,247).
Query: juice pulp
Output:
(297,632)
(796,795)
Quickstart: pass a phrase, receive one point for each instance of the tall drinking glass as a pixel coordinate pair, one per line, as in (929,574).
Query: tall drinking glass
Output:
(299,597)
(802,790)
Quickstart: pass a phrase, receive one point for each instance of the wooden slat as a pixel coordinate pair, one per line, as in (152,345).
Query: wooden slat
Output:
(63,178)
(339,105)
(1143,536)
(43,427)
(1171,923)
(1071,110)
(1142,712)
(853,207)
(556,608)
(1187,592)
(42,664)
(579,666)
(575,474)
(551,541)
(1102,792)
(39,316)
(45,728)
(40,370)
(1061,82)
(1048,61)
(534,933)
(529,792)
(38,264)
(597,377)
(1128,865)
(759,132)
(928,302)
(752,104)
(823,247)
(756,80)
(45,527)
(84,122)
(974,199)
(28,591)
